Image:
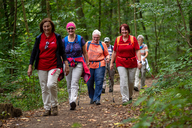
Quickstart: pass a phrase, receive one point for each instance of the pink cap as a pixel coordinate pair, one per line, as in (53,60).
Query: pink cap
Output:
(70,24)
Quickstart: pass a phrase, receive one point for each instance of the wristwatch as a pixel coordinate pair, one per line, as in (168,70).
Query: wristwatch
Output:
(88,64)
(140,61)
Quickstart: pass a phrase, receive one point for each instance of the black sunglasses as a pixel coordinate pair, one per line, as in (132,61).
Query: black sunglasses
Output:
(46,46)
(70,28)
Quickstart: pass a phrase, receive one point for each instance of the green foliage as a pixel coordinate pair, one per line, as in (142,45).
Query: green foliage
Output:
(168,102)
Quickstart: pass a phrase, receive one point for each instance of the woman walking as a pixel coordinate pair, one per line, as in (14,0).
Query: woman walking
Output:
(125,50)
(47,53)
(97,53)
(75,48)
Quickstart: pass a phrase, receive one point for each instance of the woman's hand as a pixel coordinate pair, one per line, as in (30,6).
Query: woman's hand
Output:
(139,65)
(66,68)
(111,66)
(143,58)
(88,65)
(107,58)
(29,72)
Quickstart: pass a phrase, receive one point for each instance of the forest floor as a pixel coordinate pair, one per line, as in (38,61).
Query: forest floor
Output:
(108,114)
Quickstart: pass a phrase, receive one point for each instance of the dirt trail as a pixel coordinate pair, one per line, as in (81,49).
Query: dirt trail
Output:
(108,114)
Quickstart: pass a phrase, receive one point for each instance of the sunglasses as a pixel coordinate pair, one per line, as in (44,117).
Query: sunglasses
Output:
(46,46)
(70,28)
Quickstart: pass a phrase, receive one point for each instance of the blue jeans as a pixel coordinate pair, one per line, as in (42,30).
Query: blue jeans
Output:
(97,76)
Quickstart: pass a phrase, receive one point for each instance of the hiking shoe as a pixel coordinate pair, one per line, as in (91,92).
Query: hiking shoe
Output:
(103,91)
(54,111)
(136,89)
(97,102)
(47,113)
(110,90)
(128,102)
(91,102)
(73,106)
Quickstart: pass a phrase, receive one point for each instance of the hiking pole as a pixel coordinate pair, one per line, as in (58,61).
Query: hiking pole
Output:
(79,92)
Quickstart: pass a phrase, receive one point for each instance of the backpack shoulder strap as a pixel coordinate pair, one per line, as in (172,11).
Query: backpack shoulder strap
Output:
(79,39)
(100,43)
(66,41)
(111,47)
(132,40)
(88,44)
(118,39)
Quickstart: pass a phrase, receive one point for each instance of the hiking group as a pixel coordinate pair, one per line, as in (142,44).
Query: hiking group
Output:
(73,57)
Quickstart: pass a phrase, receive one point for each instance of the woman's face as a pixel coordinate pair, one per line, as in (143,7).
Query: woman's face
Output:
(96,38)
(124,31)
(71,30)
(47,28)
(140,41)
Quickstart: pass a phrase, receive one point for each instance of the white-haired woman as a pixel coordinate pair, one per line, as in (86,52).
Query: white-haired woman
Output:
(97,52)
(144,53)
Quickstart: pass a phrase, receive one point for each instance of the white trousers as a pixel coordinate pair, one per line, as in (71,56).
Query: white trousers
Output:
(48,84)
(143,72)
(127,77)
(73,81)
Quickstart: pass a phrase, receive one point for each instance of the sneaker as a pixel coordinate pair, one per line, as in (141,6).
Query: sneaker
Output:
(54,111)
(110,90)
(97,102)
(73,106)
(103,91)
(136,89)
(47,113)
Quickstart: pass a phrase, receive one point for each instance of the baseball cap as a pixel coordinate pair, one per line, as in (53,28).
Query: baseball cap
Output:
(106,39)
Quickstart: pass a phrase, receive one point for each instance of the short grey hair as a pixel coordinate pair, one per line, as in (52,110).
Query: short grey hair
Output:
(140,36)
(96,32)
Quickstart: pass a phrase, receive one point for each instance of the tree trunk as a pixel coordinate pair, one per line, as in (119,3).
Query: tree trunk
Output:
(48,9)
(25,20)
(43,6)
(186,36)
(99,15)
(156,46)
(119,17)
(14,25)
(135,24)
(81,17)
(143,26)
(190,26)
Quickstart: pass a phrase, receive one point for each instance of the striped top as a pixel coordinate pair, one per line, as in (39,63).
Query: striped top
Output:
(143,49)
(110,50)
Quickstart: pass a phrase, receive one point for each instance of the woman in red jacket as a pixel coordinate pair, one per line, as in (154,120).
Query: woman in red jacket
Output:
(125,50)
(47,52)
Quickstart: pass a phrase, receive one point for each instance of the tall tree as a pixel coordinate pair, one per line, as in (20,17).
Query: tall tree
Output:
(100,15)
(48,9)
(25,20)
(81,17)
(186,36)
(119,17)
(135,23)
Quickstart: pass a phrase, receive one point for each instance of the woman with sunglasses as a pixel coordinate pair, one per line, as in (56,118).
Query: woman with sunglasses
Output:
(76,53)
(47,53)
(126,51)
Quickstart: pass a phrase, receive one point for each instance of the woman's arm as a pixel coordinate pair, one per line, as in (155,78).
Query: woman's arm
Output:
(85,55)
(112,59)
(138,53)
(146,54)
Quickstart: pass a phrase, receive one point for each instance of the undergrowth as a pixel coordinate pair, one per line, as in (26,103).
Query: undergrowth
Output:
(168,103)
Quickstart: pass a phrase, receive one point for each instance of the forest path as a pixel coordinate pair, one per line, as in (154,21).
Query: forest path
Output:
(108,114)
